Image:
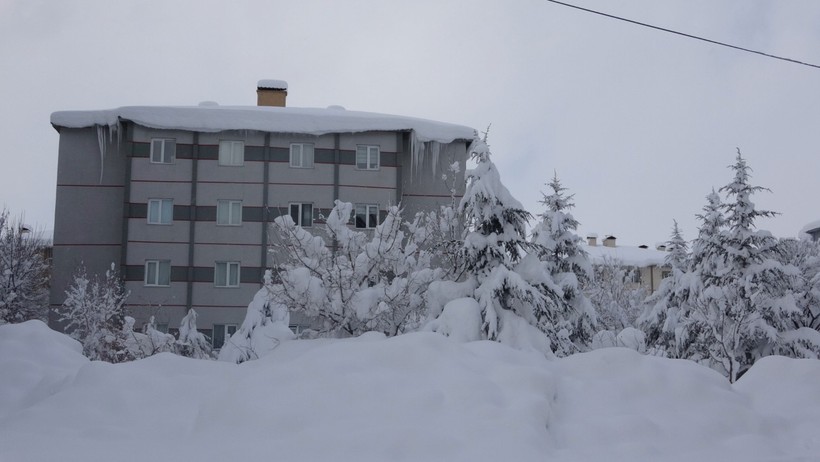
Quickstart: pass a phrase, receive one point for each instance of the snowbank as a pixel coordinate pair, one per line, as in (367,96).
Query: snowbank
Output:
(310,121)
(35,362)
(416,397)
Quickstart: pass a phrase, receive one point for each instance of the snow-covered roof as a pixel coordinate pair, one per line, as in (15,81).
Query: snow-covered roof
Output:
(272,84)
(804,232)
(312,121)
(630,256)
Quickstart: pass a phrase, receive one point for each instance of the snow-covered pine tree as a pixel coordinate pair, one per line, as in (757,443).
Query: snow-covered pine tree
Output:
(665,309)
(24,273)
(746,305)
(93,313)
(803,339)
(574,322)
(191,342)
(692,337)
(494,250)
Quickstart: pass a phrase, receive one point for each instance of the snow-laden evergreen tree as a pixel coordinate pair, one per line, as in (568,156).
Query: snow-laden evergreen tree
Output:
(507,281)
(665,309)
(694,332)
(93,313)
(191,342)
(356,281)
(559,248)
(24,273)
(746,304)
(264,328)
(803,340)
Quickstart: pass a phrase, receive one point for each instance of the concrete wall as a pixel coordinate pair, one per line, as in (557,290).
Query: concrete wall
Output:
(651,277)
(89,207)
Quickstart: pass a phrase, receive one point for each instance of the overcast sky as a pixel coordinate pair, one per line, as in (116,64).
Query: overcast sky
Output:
(639,124)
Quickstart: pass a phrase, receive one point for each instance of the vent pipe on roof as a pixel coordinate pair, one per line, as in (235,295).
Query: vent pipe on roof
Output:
(271,93)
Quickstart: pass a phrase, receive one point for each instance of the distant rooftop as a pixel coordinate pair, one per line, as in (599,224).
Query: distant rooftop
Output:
(811,228)
(630,256)
(312,121)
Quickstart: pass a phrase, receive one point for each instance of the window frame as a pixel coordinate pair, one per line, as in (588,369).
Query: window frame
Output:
(160,222)
(300,212)
(369,148)
(230,203)
(228,266)
(367,215)
(157,279)
(164,158)
(302,163)
(232,161)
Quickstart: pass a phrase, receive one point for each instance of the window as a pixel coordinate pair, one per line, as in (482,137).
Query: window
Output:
(158,273)
(665,274)
(302,214)
(636,275)
(226,274)
(163,150)
(367,216)
(222,332)
(160,211)
(367,157)
(301,155)
(231,153)
(228,213)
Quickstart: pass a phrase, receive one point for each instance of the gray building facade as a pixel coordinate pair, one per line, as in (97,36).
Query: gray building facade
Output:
(180,198)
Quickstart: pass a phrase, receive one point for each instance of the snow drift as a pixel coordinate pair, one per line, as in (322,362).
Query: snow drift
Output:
(417,396)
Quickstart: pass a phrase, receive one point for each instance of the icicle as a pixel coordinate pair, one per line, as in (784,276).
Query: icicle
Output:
(102,145)
(419,150)
(435,150)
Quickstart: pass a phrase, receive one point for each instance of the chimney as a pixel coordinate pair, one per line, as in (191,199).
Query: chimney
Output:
(271,93)
(592,239)
(609,241)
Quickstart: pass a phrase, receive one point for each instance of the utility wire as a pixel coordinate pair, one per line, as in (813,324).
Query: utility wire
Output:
(685,35)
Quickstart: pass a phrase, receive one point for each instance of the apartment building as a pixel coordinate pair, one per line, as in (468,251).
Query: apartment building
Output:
(649,266)
(180,198)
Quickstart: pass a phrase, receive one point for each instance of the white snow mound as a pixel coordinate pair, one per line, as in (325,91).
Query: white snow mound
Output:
(416,397)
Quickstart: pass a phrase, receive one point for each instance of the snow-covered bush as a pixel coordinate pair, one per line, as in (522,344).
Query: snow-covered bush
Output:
(264,328)
(614,294)
(93,314)
(460,320)
(146,343)
(191,342)
(24,273)
(354,281)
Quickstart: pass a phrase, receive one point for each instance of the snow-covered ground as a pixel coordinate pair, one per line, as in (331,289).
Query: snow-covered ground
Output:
(418,397)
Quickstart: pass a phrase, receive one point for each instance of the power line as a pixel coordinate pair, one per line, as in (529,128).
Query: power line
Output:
(685,34)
